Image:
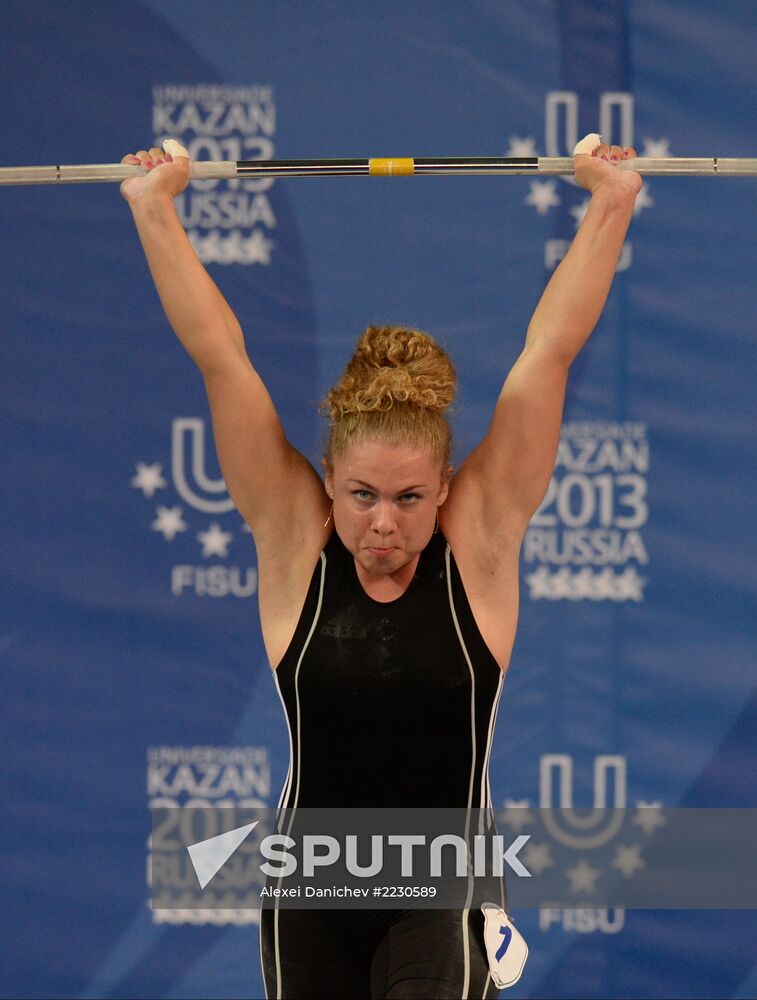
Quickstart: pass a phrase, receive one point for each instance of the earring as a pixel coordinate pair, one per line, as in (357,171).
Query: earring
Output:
(436,526)
(331,497)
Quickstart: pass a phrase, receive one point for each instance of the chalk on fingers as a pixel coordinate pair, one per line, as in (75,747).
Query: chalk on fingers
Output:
(588,144)
(174,148)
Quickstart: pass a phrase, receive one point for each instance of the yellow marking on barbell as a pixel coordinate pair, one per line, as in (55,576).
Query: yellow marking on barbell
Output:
(391,167)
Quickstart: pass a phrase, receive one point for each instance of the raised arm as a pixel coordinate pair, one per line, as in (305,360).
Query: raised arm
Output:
(270,482)
(505,478)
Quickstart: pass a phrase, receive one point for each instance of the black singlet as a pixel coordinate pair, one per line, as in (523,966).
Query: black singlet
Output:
(388,704)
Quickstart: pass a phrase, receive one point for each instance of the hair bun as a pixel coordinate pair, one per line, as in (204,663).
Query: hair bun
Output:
(393,365)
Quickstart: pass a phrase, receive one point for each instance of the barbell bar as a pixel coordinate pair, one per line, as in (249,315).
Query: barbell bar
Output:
(538,166)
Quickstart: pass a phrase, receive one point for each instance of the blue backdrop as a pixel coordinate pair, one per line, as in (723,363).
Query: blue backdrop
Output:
(133,666)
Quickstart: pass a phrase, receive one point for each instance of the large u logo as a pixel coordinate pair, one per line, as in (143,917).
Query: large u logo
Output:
(567,826)
(194,429)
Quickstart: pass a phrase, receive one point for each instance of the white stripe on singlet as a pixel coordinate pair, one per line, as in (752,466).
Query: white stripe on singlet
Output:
(283,799)
(287,781)
(486,792)
(492,727)
(466,910)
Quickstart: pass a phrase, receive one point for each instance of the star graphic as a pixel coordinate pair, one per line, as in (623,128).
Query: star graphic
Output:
(583,585)
(562,584)
(214,248)
(648,816)
(543,196)
(257,249)
(628,859)
(169,521)
(604,583)
(538,857)
(149,478)
(231,249)
(206,247)
(516,814)
(521,147)
(540,583)
(579,211)
(582,876)
(655,147)
(215,541)
(643,199)
(628,585)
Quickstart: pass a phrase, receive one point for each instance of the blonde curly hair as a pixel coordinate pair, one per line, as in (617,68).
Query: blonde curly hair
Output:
(395,388)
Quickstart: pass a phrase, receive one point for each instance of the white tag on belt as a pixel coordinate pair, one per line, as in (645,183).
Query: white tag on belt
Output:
(505,948)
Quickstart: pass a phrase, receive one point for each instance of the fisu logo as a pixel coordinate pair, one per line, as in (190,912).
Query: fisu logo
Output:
(586,832)
(200,492)
(614,119)
(584,854)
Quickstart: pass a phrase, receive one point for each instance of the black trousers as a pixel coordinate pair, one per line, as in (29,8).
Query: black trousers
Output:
(372,954)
